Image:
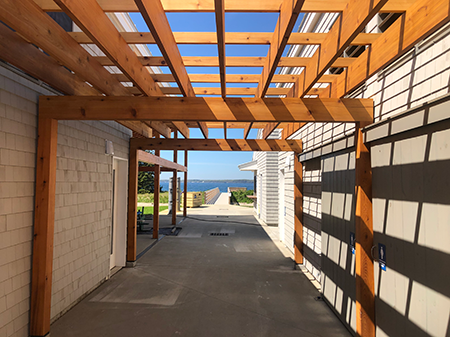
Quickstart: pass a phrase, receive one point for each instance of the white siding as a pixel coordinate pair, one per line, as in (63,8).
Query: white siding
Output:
(83,203)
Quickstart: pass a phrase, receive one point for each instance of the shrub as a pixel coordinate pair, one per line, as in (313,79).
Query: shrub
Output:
(241,196)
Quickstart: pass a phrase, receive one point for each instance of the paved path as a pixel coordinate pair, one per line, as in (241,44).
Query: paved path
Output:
(223,199)
(196,284)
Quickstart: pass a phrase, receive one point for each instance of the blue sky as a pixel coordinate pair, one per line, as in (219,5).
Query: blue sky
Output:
(216,165)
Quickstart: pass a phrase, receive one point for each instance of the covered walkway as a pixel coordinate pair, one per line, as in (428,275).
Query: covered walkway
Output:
(234,283)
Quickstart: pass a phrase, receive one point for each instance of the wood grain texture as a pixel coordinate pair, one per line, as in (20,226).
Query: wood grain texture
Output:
(365,296)
(133,166)
(153,159)
(419,21)
(207,109)
(185,184)
(217,144)
(268,129)
(349,24)
(298,210)
(154,16)
(247,129)
(89,16)
(26,18)
(247,38)
(44,222)
(220,29)
(289,11)
(310,6)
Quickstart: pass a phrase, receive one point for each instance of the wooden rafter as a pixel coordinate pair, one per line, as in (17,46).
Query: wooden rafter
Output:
(289,11)
(349,24)
(230,38)
(418,22)
(217,144)
(217,91)
(207,109)
(89,16)
(245,78)
(220,28)
(270,127)
(225,130)
(247,129)
(233,61)
(312,6)
(152,159)
(154,16)
(33,24)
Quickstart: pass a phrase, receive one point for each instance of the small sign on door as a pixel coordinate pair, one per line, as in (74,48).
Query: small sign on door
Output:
(382,256)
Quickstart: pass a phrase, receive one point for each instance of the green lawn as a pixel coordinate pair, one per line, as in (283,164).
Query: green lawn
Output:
(148,197)
(149,209)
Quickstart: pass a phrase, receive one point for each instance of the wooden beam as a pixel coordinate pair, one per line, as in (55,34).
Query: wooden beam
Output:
(26,18)
(231,61)
(252,38)
(133,166)
(289,11)
(349,24)
(270,127)
(43,31)
(89,16)
(365,295)
(220,29)
(204,129)
(156,188)
(157,178)
(217,144)
(159,127)
(174,187)
(207,109)
(152,169)
(247,129)
(310,6)
(231,91)
(185,184)
(154,16)
(153,159)
(215,78)
(418,22)
(182,128)
(25,56)
(225,130)
(44,222)
(298,210)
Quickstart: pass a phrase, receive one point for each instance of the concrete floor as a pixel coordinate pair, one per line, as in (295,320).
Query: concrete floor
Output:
(197,285)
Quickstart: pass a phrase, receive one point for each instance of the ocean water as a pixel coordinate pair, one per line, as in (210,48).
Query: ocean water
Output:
(208,185)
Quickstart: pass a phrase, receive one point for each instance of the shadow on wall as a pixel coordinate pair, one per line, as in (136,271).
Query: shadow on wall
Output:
(338,222)
(411,207)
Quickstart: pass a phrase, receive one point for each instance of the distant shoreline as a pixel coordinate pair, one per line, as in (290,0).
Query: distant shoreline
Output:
(248,181)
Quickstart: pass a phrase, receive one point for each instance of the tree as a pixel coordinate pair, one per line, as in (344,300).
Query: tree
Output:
(146,180)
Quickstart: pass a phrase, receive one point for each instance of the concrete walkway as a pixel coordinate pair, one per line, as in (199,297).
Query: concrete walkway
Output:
(223,199)
(196,284)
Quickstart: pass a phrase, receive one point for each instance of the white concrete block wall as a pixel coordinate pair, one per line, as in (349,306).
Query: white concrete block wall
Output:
(83,198)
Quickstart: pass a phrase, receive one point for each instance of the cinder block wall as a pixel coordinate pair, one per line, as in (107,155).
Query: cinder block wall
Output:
(83,203)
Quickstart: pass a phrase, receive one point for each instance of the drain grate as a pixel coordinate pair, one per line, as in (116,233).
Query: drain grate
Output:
(221,216)
(218,234)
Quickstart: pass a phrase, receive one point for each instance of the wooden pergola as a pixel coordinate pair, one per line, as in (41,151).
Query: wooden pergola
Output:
(135,98)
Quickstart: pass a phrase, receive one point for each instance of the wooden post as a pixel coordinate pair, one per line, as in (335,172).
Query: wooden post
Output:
(185,184)
(156,187)
(44,221)
(174,185)
(365,299)
(133,170)
(298,206)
